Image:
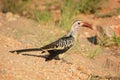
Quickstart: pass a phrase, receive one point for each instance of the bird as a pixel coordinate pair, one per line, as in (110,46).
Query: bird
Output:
(61,45)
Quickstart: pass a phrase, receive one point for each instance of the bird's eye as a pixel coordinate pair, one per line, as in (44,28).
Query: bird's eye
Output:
(78,23)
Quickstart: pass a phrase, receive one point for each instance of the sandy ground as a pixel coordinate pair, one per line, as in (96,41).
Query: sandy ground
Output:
(17,32)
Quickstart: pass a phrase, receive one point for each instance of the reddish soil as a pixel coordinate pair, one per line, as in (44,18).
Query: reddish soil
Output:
(17,32)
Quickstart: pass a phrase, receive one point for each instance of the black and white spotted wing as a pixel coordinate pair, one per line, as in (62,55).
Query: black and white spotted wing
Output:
(62,43)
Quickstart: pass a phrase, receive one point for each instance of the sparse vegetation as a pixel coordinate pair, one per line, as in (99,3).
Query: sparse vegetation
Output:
(94,52)
(104,41)
(69,9)
(90,6)
(14,6)
(87,60)
(109,14)
(42,16)
(116,40)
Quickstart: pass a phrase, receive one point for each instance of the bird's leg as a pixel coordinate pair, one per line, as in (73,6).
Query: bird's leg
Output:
(51,56)
(18,53)
(62,59)
(57,57)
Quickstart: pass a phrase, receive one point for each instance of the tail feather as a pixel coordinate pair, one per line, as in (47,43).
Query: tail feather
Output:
(26,50)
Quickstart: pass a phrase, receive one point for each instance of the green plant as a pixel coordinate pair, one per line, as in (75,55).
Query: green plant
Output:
(94,52)
(69,9)
(104,41)
(15,6)
(116,40)
(42,16)
(90,6)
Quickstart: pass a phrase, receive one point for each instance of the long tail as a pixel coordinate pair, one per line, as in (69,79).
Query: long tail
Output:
(26,50)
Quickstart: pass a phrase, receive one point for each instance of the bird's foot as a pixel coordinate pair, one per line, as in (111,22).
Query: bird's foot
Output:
(57,58)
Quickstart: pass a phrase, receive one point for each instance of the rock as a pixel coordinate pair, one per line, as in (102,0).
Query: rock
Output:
(83,76)
(113,63)
(11,17)
(105,34)
(16,16)
(119,16)
(105,31)
(117,30)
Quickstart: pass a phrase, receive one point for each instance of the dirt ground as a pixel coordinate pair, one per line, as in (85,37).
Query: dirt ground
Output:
(17,32)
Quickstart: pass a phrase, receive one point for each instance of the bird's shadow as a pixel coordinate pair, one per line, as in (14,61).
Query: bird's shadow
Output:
(93,40)
(46,56)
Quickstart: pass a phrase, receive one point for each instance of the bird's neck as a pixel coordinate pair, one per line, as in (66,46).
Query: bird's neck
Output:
(73,34)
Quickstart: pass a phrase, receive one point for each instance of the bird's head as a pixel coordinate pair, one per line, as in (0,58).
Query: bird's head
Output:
(77,25)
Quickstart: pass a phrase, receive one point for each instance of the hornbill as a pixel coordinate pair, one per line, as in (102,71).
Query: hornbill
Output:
(61,45)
